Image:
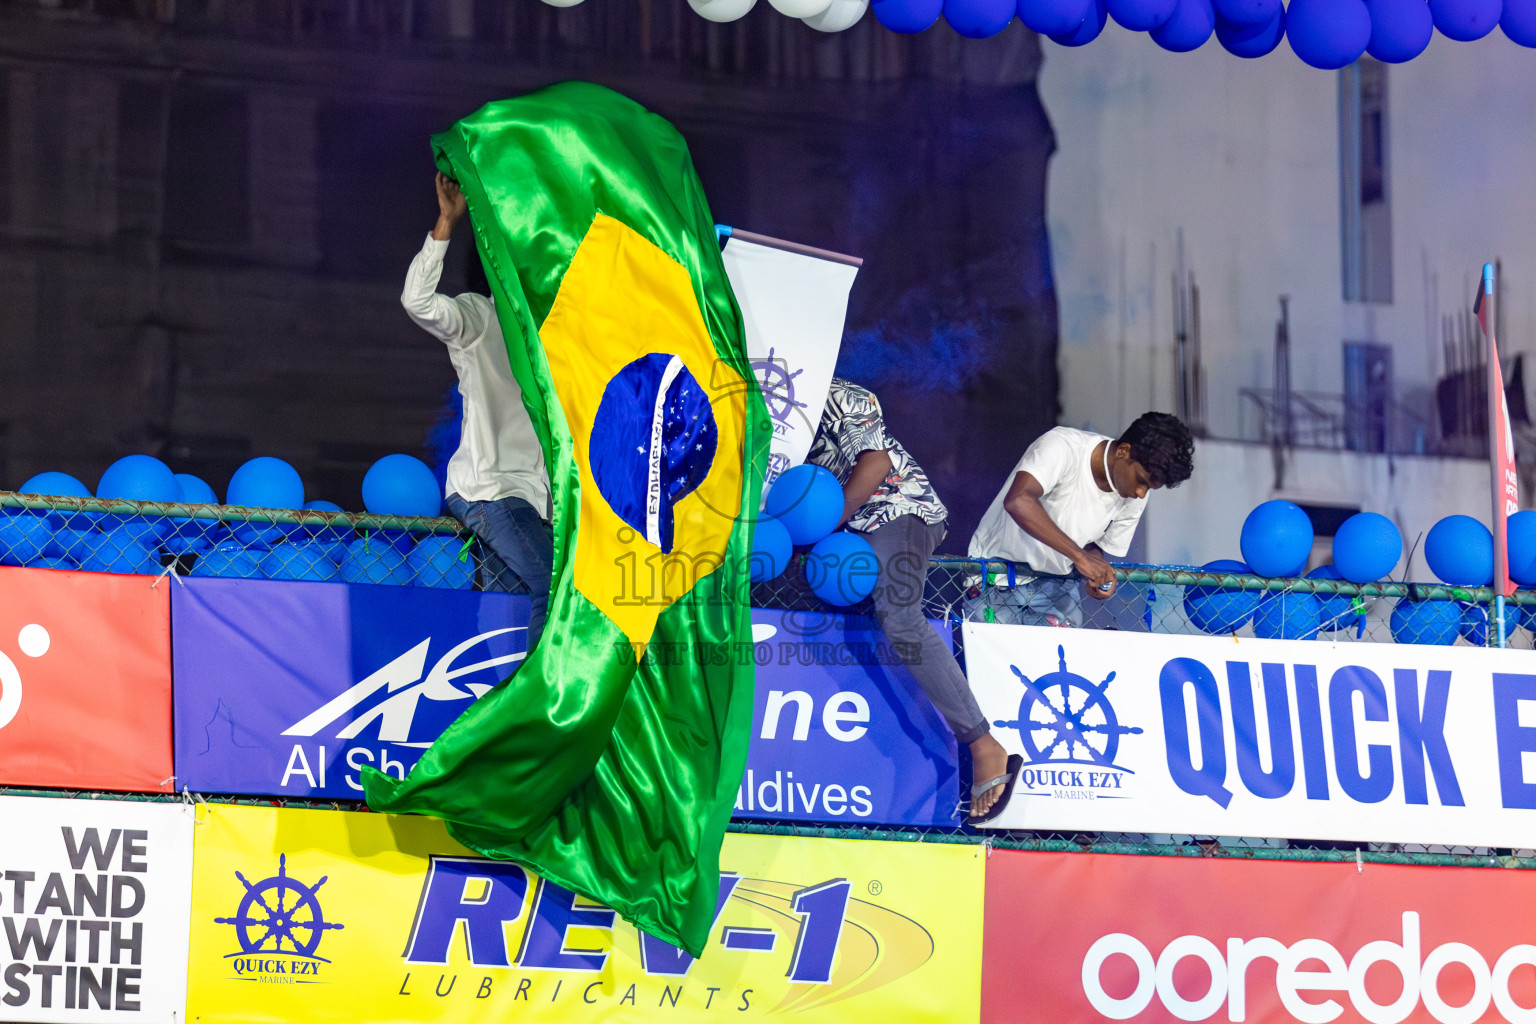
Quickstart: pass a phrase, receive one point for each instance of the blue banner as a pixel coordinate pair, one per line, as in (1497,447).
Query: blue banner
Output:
(841,731)
(289,688)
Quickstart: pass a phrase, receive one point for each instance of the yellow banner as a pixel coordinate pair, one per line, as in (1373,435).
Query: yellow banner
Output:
(321,916)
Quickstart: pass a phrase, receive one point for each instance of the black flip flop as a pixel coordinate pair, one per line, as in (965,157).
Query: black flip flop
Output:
(1007,779)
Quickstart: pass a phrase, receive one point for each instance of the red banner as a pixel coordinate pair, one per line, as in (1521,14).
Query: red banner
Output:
(1093,937)
(85,681)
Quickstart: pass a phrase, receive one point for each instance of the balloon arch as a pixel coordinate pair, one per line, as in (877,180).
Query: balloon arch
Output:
(1326,34)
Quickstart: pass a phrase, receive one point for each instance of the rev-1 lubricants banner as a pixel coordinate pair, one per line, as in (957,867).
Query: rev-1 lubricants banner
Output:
(1139,732)
(93,902)
(1093,937)
(85,680)
(841,731)
(289,688)
(330,916)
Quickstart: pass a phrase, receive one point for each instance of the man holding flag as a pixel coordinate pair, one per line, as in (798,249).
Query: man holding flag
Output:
(604,767)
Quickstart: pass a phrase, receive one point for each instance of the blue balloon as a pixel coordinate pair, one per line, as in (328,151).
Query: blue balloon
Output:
(299,562)
(1426,622)
(195,490)
(1251,40)
(842,569)
(50,563)
(139,478)
(1400,29)
(1475,619)
(907,16)
(23,539)
(228,559)
(771,548)
(1337,611)
(979,19)
(1277,539)
(1459,550)
(1465,20)
(1248,12)
(119,551)
(62,485)
(265,482)
(59,485)
(401,485)
(1192,23)
(807,501)
(435,562)
(326,534)
(1215,610)
(1367,547)
(1288,617)
(1519,21)
(72,544)
(373,562)
(1521,536)
(1328,34)
(1054,17)
(1086,31)
(1140,15)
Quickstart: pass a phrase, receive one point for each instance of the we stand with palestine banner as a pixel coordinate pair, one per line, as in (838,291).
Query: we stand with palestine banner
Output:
(387,920)
(93,908)
(1137,732)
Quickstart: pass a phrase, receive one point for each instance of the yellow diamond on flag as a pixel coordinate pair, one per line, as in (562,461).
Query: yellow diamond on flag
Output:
(649,407)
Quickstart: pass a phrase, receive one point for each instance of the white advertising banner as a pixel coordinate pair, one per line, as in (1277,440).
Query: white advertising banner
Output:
(1207,736)
(95,897)
(793,307)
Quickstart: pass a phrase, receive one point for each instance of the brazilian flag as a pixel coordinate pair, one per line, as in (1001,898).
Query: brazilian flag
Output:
(609,763)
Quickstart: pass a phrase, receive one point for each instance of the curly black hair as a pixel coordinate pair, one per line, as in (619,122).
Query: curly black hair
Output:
(1161,443)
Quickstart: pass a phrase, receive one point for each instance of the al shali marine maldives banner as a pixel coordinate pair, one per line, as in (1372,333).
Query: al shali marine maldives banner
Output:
(1094,937)
(94,900)
(85,680)
(288,689)
(1141,732)
(339,916)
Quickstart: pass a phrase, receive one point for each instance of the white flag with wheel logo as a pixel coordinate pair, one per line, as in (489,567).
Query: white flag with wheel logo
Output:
(793,307)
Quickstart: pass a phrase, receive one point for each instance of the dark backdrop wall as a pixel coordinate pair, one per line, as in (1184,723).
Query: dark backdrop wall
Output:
(206,210)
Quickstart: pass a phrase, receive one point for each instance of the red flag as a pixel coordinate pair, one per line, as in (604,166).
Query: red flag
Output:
(1501,440)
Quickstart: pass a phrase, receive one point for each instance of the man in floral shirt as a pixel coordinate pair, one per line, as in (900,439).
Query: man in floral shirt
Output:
(888,500)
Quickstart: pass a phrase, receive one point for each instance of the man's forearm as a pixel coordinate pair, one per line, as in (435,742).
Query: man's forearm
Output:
(1035,521)
(443,229)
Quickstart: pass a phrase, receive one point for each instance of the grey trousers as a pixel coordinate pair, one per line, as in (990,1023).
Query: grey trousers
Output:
(904,546)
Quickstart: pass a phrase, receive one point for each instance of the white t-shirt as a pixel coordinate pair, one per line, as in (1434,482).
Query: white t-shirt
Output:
(1062,460)
(499,455)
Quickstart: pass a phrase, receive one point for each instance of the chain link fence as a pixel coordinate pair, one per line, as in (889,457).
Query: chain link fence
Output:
(215,540)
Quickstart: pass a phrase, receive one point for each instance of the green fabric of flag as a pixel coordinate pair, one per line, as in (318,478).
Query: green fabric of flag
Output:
(609,763)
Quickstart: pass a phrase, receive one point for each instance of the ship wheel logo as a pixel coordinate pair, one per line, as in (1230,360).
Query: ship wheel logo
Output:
(778,387)
(280,910)
(1065,719)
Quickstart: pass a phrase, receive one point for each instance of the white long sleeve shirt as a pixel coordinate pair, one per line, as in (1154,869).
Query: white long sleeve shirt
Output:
(499,454)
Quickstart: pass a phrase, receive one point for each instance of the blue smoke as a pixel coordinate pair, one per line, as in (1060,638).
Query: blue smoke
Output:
(933,349)
(444,434)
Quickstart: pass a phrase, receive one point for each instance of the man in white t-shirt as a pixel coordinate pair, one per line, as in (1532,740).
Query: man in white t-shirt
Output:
(497,484)
(1074,498)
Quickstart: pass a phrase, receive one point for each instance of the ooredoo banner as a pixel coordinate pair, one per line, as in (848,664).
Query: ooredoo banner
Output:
(85,680)
(288,689)
(1095,937)
(325,916)
(94,902)
(1141,732)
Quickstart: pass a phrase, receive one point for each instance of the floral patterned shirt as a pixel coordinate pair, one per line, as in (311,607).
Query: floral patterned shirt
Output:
(852,424)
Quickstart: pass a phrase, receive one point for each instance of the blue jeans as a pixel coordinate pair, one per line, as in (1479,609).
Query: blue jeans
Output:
(517,551)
